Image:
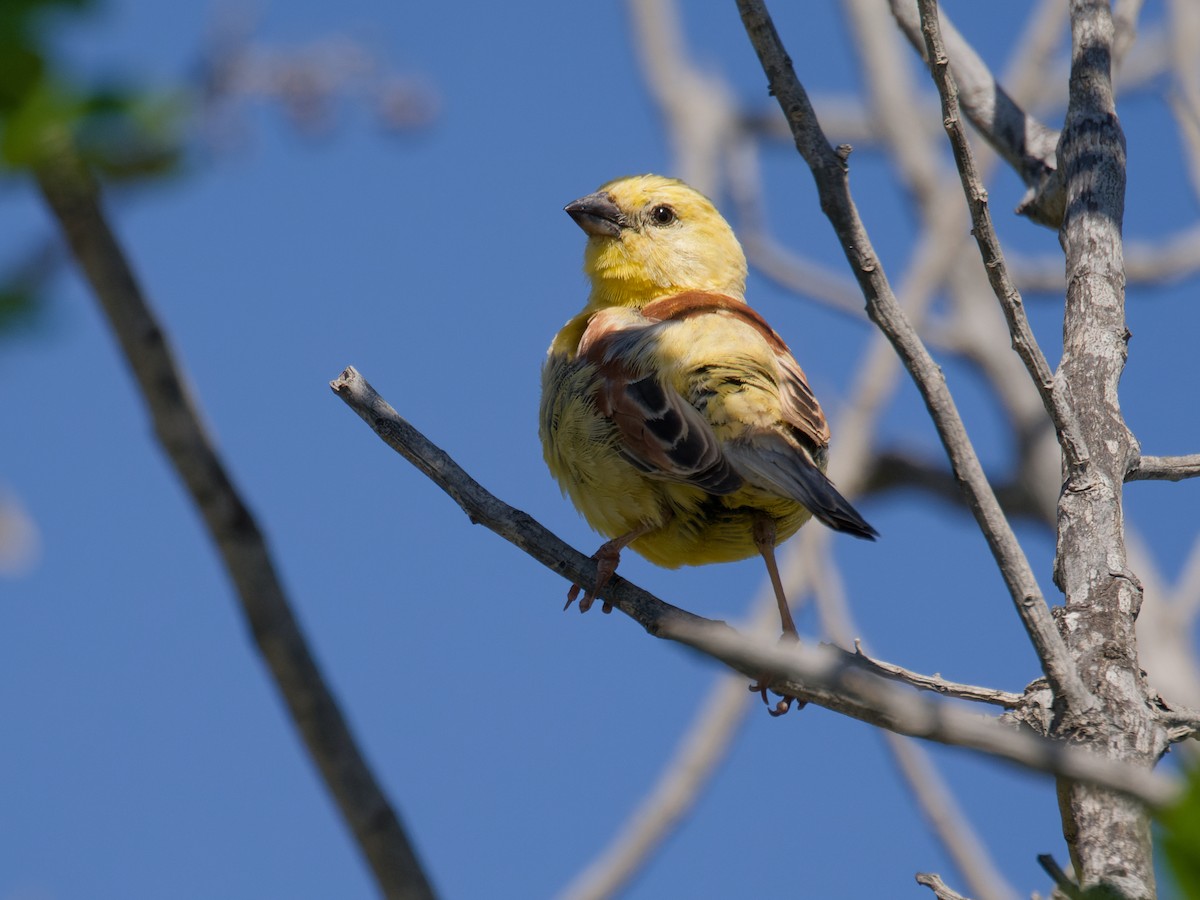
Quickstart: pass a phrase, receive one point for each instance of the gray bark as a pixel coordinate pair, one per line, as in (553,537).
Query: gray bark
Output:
(1109,837)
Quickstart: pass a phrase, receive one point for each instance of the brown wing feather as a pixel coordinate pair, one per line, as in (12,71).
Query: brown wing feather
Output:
(661,433)
(800,407)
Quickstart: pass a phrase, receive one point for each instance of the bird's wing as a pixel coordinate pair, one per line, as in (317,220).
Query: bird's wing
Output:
(660,431)
(798,406)
(782,436)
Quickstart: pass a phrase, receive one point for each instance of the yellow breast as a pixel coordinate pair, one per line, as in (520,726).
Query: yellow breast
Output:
(582,451)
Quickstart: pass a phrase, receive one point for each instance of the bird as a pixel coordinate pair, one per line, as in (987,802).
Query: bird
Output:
(672,415)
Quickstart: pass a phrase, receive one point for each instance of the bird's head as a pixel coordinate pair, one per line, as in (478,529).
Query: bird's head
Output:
(650,236)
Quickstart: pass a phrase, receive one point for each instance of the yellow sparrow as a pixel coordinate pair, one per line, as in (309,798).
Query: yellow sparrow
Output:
(672,415)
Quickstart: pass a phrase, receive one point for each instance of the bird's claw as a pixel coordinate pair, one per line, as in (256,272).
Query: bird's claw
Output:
(606,559)
(781,707)
(586,603)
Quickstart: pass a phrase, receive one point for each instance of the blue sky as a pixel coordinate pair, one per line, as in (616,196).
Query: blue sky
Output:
(146,752)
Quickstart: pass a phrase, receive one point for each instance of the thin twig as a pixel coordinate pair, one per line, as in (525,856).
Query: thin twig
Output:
(1125,17)
(766,254)
(897,469)
(829,172)
(940,890)
(895,104)
(699,108)
(825,676)
(809,675)
(74,198)
(1164,468)
(937,684)
(1060,878)
(1023,340)
(1168,259)
(1184,95)
(1023,141)
(1165,627)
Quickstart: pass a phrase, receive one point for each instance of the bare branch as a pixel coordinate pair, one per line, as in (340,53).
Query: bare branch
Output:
(1023,339)
(940,890)
(779,264)
(825,675)
(816,676)
(897,470)
(1181,723)
(829,172)
(699,109)
(1109,837)
(1027,73)
(1165,630)
(893,100)
(1024,142)
(937,684)
(893,94)
(1164,261)
(1060,878)
(75,201)
(1125,16)
(1184,97)
(844,115)
(1164,468)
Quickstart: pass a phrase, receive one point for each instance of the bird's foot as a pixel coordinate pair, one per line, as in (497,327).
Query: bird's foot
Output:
(782,706)
(762,685)
(606,559)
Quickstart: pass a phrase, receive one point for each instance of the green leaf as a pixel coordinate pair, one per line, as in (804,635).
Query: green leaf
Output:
(46,110)
(1180,838)
(122,131)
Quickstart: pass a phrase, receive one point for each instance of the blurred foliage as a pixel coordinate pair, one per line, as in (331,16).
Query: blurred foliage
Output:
(123,132)
(130,133)
(1179,838)
(18,305)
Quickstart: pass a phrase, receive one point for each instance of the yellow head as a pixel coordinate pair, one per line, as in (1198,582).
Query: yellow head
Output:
(650,237)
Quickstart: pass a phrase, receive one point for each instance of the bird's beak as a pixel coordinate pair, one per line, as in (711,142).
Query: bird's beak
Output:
(597,215)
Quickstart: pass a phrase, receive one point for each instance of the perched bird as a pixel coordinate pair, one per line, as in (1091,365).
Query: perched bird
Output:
(672,415)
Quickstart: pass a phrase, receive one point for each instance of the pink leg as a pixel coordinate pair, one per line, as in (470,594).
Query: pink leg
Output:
(607,558)
(764,539)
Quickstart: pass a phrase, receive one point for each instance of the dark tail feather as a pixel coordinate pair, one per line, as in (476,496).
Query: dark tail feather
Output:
(787,472)
(835,510)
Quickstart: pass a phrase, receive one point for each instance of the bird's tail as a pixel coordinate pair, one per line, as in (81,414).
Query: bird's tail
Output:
(784,471)
(828,505)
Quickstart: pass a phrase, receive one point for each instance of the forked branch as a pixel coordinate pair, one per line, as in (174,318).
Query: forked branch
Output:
(825,676)
(1023,340)
(829,172)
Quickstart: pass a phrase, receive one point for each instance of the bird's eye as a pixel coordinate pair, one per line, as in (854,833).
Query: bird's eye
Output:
(662,215)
